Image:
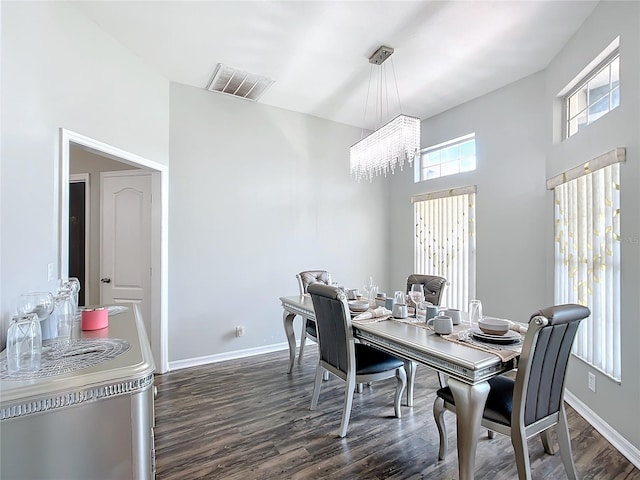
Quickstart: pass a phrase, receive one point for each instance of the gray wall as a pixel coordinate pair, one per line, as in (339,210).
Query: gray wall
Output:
(510,199)
(59,70)
(258,194)
(616,403)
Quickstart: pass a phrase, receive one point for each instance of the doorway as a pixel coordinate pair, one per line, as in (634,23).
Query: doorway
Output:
(79,221)
(158,286)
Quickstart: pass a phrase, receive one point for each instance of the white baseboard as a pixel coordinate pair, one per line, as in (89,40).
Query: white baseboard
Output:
(221,357)
(612,436)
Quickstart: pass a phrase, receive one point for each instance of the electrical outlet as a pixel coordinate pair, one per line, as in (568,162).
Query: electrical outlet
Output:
(240,331)
(49,272)
(592,382)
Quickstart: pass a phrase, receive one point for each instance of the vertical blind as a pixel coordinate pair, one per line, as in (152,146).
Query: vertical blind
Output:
(587,261)
(445,241)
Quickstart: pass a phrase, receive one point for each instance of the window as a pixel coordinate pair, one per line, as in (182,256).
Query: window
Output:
(587,258)
(448,158)
(596,95)
(445,241)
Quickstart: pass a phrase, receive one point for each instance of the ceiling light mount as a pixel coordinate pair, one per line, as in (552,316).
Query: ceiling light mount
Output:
(380,55)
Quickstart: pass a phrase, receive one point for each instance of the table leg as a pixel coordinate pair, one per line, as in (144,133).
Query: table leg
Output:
(287,320)
(410,368)
(470,401)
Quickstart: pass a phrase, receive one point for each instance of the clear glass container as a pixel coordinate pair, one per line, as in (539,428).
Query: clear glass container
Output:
(72,284)
(24,344)
(475,312)
(40,303)
(64,312)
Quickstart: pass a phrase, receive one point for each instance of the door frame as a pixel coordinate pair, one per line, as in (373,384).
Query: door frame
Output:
(84,178)
(159,229)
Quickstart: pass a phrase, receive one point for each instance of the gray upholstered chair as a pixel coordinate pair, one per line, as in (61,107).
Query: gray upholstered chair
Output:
(433,286)
(533,402)
(343,357)
(306,278)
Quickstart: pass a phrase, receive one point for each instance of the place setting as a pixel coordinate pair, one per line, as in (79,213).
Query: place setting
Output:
(499,336)
(369,309)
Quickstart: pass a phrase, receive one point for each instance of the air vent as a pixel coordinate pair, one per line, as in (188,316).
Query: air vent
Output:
(238,83)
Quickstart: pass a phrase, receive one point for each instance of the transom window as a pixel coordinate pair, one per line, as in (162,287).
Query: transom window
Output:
(595,96)
(448,158)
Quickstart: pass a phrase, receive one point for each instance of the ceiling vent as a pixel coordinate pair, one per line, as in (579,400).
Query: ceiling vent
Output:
(238,83)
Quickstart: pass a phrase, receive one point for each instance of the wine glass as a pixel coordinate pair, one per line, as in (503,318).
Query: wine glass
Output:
(475,312)
(416,293)
(71,284)
(368,287)
(373,292)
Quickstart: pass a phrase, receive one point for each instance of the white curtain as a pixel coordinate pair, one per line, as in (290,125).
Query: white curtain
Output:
(587,262)
(445,242)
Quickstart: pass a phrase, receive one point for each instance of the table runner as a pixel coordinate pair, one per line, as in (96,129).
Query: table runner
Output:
(461,335)
(506,352)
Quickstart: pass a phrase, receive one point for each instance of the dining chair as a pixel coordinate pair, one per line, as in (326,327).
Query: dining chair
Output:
(306,278)
(433,289)
(533,402)
(433,286)
(343,357)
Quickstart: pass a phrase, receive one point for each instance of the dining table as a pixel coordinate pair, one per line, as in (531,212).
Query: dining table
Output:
(467,369)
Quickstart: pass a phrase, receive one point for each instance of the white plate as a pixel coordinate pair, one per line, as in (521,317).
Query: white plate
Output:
(509,337)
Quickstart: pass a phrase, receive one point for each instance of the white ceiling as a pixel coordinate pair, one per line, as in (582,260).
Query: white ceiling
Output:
(446,52)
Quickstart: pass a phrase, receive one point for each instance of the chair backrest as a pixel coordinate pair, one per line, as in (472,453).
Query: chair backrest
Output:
(309,277)
(433,286)
(335,334)
(539,386)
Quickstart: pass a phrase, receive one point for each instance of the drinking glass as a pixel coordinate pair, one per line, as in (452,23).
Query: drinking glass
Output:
(421,311)
(475,312)
(24,344)
(63,312)
(416,293)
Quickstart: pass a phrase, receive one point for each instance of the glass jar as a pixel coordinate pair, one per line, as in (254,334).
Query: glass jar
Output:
(24,344)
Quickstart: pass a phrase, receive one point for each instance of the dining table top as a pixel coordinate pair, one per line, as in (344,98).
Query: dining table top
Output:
(414,342)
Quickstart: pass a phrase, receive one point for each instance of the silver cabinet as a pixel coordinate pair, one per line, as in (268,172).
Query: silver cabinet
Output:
(93,423)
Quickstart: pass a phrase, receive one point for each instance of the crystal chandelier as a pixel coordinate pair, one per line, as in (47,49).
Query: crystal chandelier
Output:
(392,144)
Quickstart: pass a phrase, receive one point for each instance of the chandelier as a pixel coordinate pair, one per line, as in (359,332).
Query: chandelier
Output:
(390,145)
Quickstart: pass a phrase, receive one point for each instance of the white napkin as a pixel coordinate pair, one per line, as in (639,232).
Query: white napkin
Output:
(373,313)
(518,327)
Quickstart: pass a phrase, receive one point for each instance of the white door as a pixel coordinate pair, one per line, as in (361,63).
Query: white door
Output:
(125,246)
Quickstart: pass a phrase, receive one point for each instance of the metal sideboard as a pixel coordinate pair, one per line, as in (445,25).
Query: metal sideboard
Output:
(88,420)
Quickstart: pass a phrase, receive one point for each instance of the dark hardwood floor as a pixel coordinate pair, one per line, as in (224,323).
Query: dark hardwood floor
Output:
(247,419)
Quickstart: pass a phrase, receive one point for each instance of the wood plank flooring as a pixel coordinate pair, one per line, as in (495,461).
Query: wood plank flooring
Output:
(247,419)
